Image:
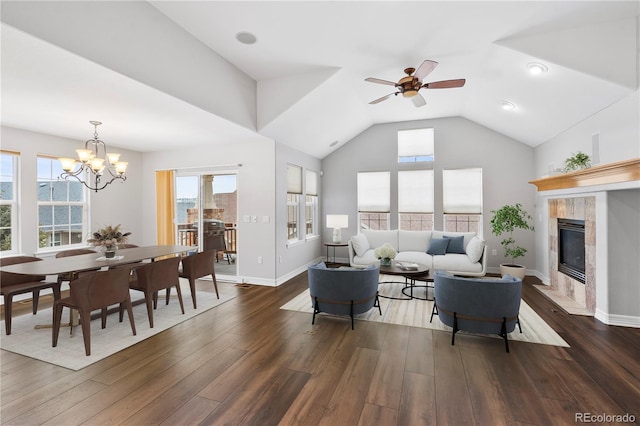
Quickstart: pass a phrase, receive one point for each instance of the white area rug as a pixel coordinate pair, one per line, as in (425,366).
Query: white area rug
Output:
(36,343)
(416,313)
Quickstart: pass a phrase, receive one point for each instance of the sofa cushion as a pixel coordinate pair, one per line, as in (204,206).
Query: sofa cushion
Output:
(367,258)
(413,240)
(378,238)
(456,263)
(456,244)
(474,249)
(360,244)
(438,246)
(467,235)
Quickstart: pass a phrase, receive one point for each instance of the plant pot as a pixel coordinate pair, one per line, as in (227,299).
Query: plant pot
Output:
(514,270)
(110,254)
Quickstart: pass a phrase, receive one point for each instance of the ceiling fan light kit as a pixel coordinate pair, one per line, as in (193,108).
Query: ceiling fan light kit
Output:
(410,85)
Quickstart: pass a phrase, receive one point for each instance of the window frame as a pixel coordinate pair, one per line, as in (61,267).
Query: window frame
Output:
(413,149)
(84,204)
(294,191)
(12,203)
(311,205)
(412,212)
(460,219)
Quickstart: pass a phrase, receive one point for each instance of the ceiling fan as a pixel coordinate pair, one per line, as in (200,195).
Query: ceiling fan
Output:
(409,85)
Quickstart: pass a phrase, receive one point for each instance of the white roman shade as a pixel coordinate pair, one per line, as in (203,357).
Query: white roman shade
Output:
(415,191)
(294,179)
(373,192)
(311,186)
(462,191)
(415,143)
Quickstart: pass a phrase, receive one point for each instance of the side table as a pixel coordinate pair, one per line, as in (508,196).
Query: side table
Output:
(334,245)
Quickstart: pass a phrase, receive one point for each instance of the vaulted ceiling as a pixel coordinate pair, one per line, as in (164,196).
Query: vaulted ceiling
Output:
(164,74)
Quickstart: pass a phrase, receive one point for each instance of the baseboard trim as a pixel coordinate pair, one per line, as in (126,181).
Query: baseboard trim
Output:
(618,320)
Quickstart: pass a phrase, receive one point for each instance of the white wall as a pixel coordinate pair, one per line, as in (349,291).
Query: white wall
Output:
(256,186)
(618,127)
(292,259)
(459,143)
(119,203)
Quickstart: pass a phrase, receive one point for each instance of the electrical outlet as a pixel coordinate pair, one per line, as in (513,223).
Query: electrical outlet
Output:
(494,252)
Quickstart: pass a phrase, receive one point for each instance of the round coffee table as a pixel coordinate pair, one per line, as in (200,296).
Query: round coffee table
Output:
(421,273)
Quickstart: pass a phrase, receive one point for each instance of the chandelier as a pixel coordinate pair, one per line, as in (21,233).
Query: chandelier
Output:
(98,168)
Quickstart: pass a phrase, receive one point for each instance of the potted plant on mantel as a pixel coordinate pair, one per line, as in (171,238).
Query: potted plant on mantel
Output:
(504,221)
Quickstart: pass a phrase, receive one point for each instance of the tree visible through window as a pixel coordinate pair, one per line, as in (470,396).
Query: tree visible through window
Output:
(62,206)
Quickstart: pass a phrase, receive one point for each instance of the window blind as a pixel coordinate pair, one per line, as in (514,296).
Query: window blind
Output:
(294,179)
(415,142)
(415,191)
(311,186)
(373,192)
(462,191)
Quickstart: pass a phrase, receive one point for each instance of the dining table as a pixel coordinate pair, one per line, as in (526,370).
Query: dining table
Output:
(73,265)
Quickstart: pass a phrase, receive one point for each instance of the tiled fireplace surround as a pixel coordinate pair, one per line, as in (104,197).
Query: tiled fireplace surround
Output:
(579,208)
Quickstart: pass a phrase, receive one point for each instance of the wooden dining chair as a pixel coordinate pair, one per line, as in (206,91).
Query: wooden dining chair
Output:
(155,276)
(12,284)
(196,266)
(92,292)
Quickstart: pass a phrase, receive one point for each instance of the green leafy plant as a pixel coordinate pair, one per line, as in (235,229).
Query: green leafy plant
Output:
(504,221)
(578,161)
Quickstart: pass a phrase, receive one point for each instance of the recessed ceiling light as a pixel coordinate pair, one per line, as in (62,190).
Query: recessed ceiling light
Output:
(536,68)
(508,106)
(246,37)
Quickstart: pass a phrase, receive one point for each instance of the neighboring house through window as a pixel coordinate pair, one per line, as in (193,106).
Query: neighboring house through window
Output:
(8,203)
(62,207)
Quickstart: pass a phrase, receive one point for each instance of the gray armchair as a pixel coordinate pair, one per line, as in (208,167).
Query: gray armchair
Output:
(478,305)
(346,291)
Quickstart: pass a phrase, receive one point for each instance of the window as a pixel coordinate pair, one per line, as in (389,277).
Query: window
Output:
(62,207)
(462,200)
(311,203)
(415,145)
(294,190)
(415,200)
(8,204)
(374,201)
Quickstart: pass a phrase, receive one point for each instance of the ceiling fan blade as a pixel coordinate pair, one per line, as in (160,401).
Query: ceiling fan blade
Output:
(379,81)
(382,98)
(425,69)
(445,84)
(418,101)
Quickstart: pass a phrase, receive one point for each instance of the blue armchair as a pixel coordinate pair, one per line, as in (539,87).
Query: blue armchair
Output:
(478,305)
(343,291)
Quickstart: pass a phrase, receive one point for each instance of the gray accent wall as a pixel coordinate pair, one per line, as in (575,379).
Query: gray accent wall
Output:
(507,166)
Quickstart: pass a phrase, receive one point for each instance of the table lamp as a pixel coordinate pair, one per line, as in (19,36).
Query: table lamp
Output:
(337,222)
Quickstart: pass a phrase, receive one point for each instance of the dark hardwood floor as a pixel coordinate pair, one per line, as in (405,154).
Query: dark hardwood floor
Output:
(248,362)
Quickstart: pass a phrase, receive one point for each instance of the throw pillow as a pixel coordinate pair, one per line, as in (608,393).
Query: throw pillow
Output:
(475,249)
(456,245)
(438,246)
(360,244)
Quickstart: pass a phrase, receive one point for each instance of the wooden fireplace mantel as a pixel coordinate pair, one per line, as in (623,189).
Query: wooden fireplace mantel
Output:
(621,171)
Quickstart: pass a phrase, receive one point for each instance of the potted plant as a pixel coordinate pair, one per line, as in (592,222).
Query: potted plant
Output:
(385,253)
(107,239)
(578,161)
(504,221)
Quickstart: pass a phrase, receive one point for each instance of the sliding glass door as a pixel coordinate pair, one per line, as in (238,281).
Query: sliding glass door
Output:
(206,216)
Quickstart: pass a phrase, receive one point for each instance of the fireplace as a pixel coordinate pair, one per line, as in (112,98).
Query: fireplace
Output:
(571,248)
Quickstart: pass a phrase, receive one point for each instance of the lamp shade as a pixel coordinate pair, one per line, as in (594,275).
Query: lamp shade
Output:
(337,221)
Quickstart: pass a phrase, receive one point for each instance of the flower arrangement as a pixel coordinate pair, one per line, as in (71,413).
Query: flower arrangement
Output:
(385,251)
(108,237)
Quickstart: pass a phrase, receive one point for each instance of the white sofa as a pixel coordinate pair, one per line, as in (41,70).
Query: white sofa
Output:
(467,256)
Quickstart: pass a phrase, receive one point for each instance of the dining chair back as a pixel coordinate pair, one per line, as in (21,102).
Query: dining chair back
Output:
(12,284)
(96,291)
(199,265)
(155,276)
(73,275)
